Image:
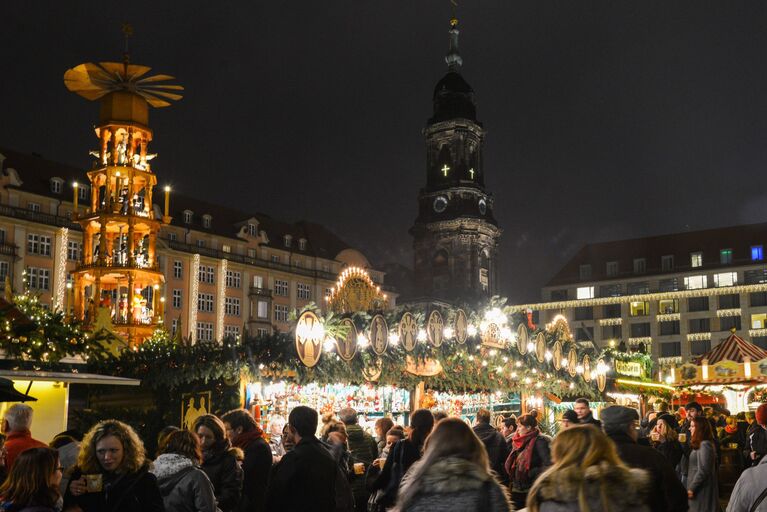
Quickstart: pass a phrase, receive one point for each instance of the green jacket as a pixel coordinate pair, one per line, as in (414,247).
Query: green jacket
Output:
(363,449)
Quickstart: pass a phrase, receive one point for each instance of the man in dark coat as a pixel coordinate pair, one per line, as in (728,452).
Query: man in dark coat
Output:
(666,492)
(585,416)
(364,451)
(756,436)
(495,444)
(245,434)
(304,479)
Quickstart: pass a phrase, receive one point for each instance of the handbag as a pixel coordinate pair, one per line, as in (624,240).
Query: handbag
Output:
(758,501)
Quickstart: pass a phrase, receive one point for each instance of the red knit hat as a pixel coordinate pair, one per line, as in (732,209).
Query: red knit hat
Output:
(761,415)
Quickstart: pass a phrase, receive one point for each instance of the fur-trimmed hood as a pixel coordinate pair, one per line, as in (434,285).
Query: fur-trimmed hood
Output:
(448,475)
(624,487)
(169,464)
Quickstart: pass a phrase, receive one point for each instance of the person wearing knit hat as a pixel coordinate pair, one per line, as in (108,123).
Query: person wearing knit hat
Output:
(568,419)
(666,492)
(664,438)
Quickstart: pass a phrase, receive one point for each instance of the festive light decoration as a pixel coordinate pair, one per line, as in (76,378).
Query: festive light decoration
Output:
(356,291)
(221,294)
(194,272)
(60,268)
(699,336)
(723,313)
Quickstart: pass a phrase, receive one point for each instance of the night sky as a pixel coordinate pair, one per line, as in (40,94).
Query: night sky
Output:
(605,120)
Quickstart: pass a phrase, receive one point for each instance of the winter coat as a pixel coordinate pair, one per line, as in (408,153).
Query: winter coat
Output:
(401,457)
(667,494)
(671,450)
(16,443)
(750,485)
(497,450)
(10,507)
(224,472)
(303,480)
(256,467)
(625,489)
(541,460)
(590,420)
(184,487)
(757,442)
(364,450)
(121,493)
(701,479)
(453,485)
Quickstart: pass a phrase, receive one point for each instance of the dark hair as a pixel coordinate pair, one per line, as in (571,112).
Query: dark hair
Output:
(741,416)
(60,440)
(483,416)
(215,425)
(396,431)
(421,423)
(28,484)
(663,406)
(240,418)
(183,442)
(439,416)
(304,420)
(162,436)
(582,401)
(510,422)
(693,405)
(702,432)
(529,420)
(73,433)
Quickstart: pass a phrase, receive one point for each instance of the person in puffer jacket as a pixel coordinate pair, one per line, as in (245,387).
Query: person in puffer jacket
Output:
(454,475)
(183,485)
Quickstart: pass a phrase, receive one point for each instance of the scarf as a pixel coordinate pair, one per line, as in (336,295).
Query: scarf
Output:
(521,457)
(246,438)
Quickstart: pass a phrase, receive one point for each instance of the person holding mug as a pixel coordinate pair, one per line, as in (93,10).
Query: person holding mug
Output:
(664,438)
(112,473)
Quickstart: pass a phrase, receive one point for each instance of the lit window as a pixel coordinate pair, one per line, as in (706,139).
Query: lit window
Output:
(263,309)
(585,271)
(725,256)
(585,292)
(187,217)
(696,259)
(757,253)
(640,308)
(612,268)
(726,279)
(640,265)
(758,321)
(252,229)
(695,282)
(226,248)
(668,306)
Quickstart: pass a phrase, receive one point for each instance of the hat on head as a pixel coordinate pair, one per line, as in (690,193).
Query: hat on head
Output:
(669,419)
(618,417)
(761,415)
(570,415)
(693,405)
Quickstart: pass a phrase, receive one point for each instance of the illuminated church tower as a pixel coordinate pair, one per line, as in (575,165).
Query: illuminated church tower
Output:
(455,234)
(118,280)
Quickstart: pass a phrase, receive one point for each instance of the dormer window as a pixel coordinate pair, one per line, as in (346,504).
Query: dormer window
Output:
(288,240)
(187,216)
(82,191)
(302,244)
(207,221)
(252,229)
(56,185)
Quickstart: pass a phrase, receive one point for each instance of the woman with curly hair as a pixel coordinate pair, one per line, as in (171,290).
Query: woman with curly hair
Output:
(588,476)
(33,484)
(112,473)
(183,485)
(220,461)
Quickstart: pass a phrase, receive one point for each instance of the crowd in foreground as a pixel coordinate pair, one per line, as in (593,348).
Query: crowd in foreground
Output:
(666,462)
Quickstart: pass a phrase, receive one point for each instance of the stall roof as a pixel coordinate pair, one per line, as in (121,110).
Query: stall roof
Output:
(734,349)
(73,378)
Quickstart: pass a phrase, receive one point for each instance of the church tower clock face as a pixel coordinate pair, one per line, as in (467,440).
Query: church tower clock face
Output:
(440,204)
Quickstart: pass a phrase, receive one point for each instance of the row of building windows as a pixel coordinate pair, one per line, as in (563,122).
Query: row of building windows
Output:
(612,268)
(697,282)
(670,306)
(57,186)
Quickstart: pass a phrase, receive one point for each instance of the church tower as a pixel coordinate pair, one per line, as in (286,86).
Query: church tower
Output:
(118,282)
(455,234)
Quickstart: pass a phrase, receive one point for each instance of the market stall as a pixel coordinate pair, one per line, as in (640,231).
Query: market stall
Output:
(735,369)
(630,381)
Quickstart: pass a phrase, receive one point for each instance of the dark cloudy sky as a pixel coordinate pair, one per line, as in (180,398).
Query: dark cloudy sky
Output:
(605,119)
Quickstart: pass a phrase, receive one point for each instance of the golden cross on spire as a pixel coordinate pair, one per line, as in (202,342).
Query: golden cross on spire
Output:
(127,30)
(444,170)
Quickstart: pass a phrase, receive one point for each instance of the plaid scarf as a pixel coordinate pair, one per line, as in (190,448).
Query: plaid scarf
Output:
(521,457)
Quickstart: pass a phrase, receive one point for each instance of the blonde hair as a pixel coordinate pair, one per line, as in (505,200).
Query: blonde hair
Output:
(580,446)
(668,433)
(134,455)
(451,438)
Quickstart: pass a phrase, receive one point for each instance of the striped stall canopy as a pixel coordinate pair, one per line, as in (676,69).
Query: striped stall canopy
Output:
(734,349)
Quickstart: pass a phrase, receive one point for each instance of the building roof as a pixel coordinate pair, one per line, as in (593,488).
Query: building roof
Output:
(36,172)
(734,349)
(740,239)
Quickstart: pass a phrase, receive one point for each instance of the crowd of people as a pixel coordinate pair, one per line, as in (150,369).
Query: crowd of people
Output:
(665,462)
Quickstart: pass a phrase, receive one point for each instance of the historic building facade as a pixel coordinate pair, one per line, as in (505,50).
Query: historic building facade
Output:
(676,296)
(455,236)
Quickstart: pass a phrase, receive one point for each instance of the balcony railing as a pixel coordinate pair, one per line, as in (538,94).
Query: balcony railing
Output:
(8,249)
(260,292)
(33,216)
(239,258)
(112,264)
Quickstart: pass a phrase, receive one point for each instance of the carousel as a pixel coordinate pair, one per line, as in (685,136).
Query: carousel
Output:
(735,368)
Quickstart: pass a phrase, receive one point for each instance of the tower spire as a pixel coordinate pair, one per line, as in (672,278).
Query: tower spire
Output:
(127,30)
(453,58)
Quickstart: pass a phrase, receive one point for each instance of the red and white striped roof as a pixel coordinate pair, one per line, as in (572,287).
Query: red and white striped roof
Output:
(734,349)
